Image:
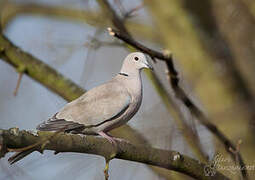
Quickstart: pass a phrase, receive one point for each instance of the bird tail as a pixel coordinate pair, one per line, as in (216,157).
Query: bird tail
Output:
(19,155)
(29,149)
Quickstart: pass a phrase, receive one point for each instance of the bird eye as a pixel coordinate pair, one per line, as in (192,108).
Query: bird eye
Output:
(136,58)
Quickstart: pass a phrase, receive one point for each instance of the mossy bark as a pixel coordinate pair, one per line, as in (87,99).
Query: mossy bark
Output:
(63,142)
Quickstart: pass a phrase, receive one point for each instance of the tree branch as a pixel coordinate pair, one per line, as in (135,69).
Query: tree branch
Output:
(62,142)
(115,19)
(38,70)
(152,53)
(180,94)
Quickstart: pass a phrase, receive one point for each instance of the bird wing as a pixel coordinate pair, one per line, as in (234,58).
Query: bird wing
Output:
(100,104)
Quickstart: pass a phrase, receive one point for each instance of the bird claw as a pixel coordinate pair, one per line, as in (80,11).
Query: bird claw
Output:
(121,140)
(112,140)
(109,138)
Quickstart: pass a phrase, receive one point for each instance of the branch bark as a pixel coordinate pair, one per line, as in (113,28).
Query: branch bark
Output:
(62,142)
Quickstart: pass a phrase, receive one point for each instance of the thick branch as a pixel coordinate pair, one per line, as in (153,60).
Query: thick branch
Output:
(38,70)
(180,93)
(62,142)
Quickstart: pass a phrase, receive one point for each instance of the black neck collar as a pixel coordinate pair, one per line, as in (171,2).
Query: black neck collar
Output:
(123,74)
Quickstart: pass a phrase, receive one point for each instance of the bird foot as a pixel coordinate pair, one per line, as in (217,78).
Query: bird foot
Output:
(111,139)
(121,140)
(108,137)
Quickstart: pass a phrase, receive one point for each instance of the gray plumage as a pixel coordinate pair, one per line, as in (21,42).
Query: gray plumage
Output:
(102,108)
(105,107)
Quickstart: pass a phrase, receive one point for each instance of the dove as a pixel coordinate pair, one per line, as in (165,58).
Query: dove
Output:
(102,108)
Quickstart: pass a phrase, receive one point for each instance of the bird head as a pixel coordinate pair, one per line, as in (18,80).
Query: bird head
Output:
(137,60)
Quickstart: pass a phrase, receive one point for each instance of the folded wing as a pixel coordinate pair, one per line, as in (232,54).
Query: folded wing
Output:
(97,106)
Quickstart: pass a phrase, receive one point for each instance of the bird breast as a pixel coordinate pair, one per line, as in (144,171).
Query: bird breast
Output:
(136,92)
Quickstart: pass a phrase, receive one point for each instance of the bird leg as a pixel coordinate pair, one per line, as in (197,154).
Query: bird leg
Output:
(108,137)
(110,156)
(111,139)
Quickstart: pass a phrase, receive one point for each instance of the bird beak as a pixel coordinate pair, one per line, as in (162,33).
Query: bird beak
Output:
(148,66)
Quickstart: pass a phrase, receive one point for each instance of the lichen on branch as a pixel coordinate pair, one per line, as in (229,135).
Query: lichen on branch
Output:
(65,142)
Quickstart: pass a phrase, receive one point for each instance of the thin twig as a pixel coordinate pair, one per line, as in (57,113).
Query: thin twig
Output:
(96,44)
(120,6)
(152,53)
(116,20)
(18,84)
(131,12)
(106,169)
(238,145)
